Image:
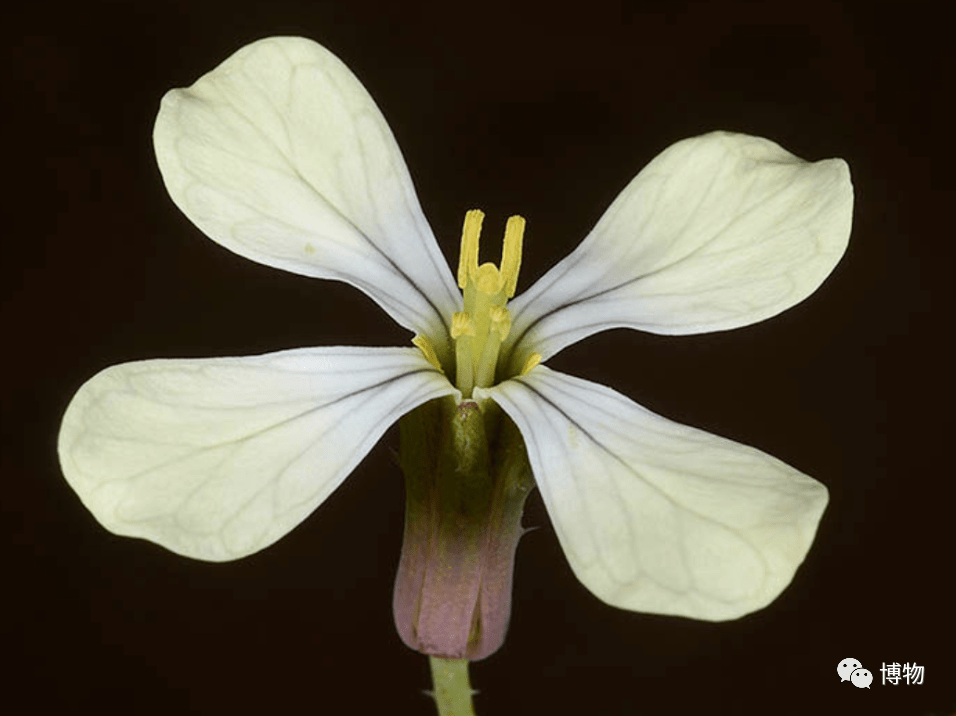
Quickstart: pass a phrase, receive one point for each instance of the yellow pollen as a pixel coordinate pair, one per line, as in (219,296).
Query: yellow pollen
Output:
(501,321)
(511,254)
(468,260)
(425,347)
(531,361)
(461,325)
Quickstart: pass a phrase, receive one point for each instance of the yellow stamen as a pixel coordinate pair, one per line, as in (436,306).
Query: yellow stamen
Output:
(464,365)
(461,325)
(468,260)
(530,362)
(501,321)
(484,322)
(425,347)
(511,254)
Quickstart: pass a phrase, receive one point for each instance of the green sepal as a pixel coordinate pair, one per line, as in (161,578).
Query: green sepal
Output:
(467,478)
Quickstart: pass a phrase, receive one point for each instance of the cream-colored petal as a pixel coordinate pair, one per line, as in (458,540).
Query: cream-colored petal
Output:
(218,458)
(655,516)
(280,155)
(719,231)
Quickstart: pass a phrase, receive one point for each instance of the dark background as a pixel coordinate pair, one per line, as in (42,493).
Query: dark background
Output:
(532,109)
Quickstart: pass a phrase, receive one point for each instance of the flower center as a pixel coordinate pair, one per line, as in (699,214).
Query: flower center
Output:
(480,328)
(484,323)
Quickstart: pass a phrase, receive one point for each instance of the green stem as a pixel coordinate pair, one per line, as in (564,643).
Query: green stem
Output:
(452,688)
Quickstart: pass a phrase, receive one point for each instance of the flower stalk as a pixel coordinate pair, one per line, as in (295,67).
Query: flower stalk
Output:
(453,690)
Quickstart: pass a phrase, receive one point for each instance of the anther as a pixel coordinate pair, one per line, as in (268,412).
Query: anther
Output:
(425,347)
(461,325)
(511,254)
(530,362)
(501,321)
(468,259)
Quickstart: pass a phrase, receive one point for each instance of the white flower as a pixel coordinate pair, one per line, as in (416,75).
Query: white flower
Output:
(280,155)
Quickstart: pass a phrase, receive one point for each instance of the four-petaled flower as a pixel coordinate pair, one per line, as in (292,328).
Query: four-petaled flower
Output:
(280,155)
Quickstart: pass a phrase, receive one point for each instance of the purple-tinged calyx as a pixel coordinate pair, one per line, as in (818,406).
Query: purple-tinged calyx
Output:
(466,480)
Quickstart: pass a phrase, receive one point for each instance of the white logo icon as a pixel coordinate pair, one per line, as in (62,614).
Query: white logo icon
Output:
(852,670)
(845,668)
(861,678)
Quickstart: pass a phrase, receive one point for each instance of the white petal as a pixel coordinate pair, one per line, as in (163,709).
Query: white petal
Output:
(718,231)
(655,516)
(218,458)
(280,155)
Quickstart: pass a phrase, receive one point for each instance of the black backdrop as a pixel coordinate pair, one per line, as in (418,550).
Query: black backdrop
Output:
(530,109)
